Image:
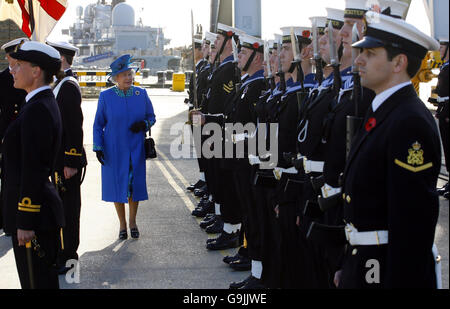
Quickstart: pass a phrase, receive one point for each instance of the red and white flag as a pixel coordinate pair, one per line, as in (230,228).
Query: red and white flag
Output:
(36,18)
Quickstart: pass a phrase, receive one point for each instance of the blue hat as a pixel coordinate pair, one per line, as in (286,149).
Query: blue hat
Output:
(120,65)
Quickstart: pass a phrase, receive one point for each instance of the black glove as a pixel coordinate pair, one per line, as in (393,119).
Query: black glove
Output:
(139,126)
(100,157)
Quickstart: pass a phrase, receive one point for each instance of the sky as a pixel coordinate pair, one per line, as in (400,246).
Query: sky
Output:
(174,16)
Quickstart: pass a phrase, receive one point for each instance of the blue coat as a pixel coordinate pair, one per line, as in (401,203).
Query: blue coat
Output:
(125,164)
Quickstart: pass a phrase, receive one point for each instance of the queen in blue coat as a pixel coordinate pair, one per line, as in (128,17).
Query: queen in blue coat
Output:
(124,114)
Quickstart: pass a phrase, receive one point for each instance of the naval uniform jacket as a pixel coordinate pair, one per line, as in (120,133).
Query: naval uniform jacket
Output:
(31,145)
(222,89)
(390,185)
(72,153)
(242,111)
(198,68)
(11,101)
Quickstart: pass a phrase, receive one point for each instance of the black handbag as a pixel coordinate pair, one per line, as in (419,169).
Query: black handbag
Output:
(149,145)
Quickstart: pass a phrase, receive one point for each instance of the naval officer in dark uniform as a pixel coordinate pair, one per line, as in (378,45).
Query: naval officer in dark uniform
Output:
(391,204)
(32,208)
(72,156)
(12,99)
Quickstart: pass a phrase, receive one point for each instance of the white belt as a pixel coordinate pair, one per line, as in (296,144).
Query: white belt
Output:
(254,160)
(329,191)
(239,137)
(313,166)
(441,100)
(371,238)
(278,172)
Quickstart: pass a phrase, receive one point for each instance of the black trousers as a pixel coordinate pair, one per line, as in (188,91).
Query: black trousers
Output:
(269,235)
(230,207)
(71,199)
(244,191)
(44,271)
(296,260)
(198,142)
(213,179)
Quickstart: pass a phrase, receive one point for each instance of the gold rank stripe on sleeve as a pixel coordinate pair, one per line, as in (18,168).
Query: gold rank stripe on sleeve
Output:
(227,88)
(27,206)
(412,168)
(73,152)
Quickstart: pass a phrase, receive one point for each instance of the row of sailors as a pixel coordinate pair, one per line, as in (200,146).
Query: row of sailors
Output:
(325,210)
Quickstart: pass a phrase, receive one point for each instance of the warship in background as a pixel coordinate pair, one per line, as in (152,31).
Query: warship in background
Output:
(104,32)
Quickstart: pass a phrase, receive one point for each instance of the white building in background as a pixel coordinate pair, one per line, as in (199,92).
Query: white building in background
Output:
(103,32)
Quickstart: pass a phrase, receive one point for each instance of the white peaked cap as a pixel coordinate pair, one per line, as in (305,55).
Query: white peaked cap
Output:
(12,44)
(64,47)
(251,42)
(383,30)
(398,8)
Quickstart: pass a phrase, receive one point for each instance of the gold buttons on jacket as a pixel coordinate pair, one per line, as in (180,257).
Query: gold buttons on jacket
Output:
(347,198)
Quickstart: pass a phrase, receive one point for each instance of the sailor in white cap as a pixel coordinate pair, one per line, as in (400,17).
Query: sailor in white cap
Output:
(251,57)
(295,271)
(221,90)
(33,210)
(334,138)
(391,206)
(72,156)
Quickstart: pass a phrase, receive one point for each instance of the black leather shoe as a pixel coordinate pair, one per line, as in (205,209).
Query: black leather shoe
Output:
(202,203)
(229,259)
(207,221)
(63,270)
(199,184)
(253,284)
(242,264)
(203,211)
(240,284)
(443,190)
(200,192)
(225,241)
(216,227)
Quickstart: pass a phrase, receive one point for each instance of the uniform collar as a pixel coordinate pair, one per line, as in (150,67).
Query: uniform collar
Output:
(382,97)
(227,60)
(36,91)
(256,76)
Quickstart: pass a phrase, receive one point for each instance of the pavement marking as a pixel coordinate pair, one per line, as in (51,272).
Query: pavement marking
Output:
(118,247)
(181,193)
(187,201)
(174,169)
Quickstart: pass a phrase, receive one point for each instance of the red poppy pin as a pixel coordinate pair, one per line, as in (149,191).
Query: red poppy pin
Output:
(256,45)
(230,33)
(371,124)
(306,33)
